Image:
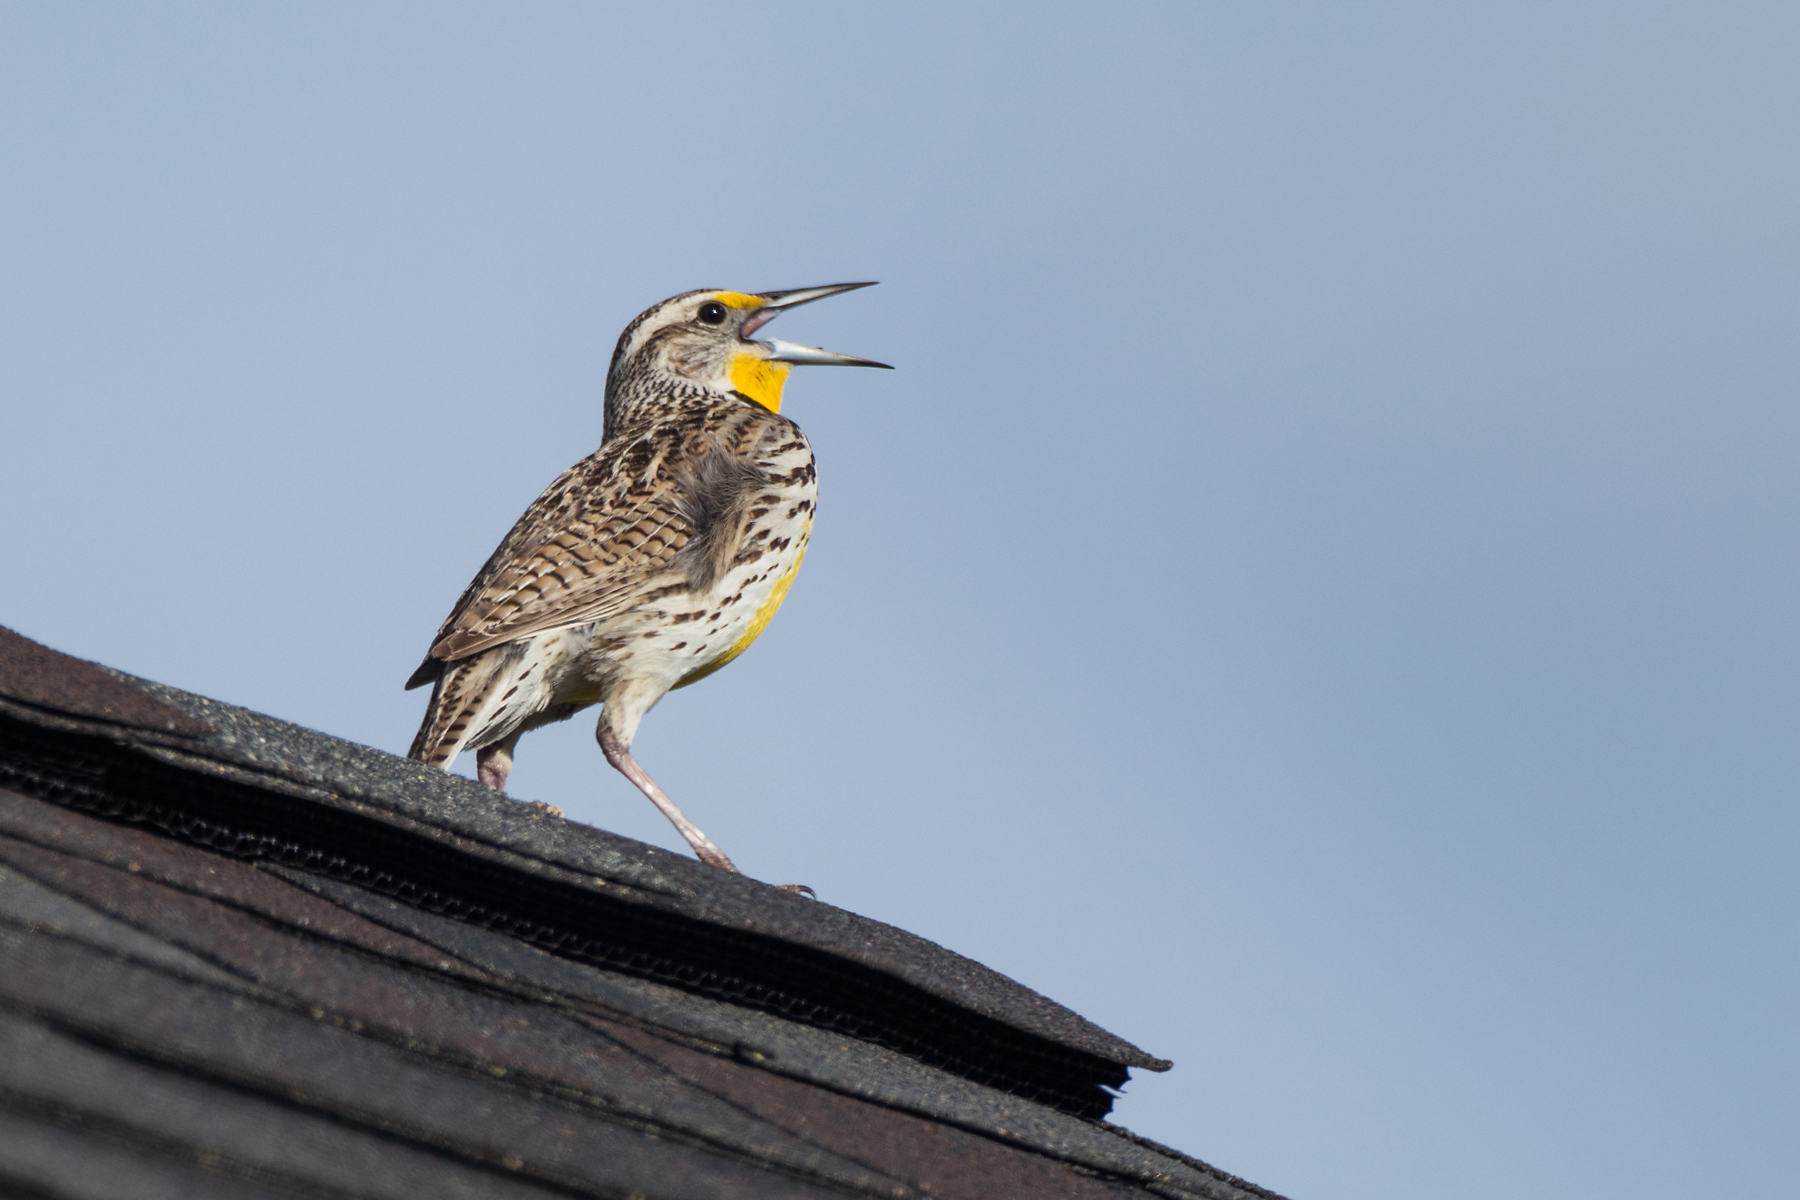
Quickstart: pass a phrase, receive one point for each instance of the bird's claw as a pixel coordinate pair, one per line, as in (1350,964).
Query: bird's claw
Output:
(798,889)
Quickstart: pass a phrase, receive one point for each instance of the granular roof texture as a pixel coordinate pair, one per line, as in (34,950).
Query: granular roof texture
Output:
(240,958)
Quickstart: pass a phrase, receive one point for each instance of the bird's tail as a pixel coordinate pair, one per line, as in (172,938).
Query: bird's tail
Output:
(467,702)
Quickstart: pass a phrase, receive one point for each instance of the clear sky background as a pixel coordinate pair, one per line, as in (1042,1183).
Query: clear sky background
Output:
(1318,595)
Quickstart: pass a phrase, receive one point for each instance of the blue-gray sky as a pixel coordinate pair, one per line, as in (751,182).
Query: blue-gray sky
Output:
(1317,596)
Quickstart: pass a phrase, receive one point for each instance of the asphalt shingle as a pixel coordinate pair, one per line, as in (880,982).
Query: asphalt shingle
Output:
(242,958)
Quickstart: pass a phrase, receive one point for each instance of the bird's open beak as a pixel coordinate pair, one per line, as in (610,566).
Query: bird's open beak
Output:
(792,352)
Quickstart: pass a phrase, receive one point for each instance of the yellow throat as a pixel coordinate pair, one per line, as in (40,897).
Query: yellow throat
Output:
(759,379)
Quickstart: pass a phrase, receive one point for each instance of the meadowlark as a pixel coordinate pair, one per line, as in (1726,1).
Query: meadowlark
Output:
(652,562)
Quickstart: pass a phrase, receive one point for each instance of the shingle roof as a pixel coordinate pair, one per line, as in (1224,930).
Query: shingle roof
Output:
(242,958)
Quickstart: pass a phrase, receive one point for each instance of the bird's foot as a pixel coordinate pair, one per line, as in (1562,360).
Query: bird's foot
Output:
(547,809)
(799,889)
(709,853)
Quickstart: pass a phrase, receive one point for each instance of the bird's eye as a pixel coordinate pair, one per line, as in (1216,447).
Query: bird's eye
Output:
(712,312)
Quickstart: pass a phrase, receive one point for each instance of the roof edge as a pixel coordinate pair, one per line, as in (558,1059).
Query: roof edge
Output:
(211,737)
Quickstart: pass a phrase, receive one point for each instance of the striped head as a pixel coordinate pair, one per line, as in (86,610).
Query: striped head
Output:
(699,345)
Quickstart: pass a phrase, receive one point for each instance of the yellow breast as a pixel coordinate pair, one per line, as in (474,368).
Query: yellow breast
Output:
(765,612)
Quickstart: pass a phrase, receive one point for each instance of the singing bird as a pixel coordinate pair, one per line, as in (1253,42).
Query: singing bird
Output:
(652,562)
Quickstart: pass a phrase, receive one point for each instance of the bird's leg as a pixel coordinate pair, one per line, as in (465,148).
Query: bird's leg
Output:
(494,763)
(621,759)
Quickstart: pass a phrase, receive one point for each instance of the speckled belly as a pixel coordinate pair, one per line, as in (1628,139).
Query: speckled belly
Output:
(760,616)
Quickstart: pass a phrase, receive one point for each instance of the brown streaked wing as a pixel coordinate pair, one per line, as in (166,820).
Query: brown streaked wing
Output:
(593,567)
(547,513)
(602,532)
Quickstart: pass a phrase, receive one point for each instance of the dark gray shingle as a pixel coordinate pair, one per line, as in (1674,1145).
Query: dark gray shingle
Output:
(237,951)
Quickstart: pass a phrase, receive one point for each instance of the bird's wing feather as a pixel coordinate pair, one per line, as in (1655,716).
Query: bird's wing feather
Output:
(594,566)
(607,532)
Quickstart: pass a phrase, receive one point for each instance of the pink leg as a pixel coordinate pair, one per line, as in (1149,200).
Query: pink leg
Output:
(493,764)
(621,759)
